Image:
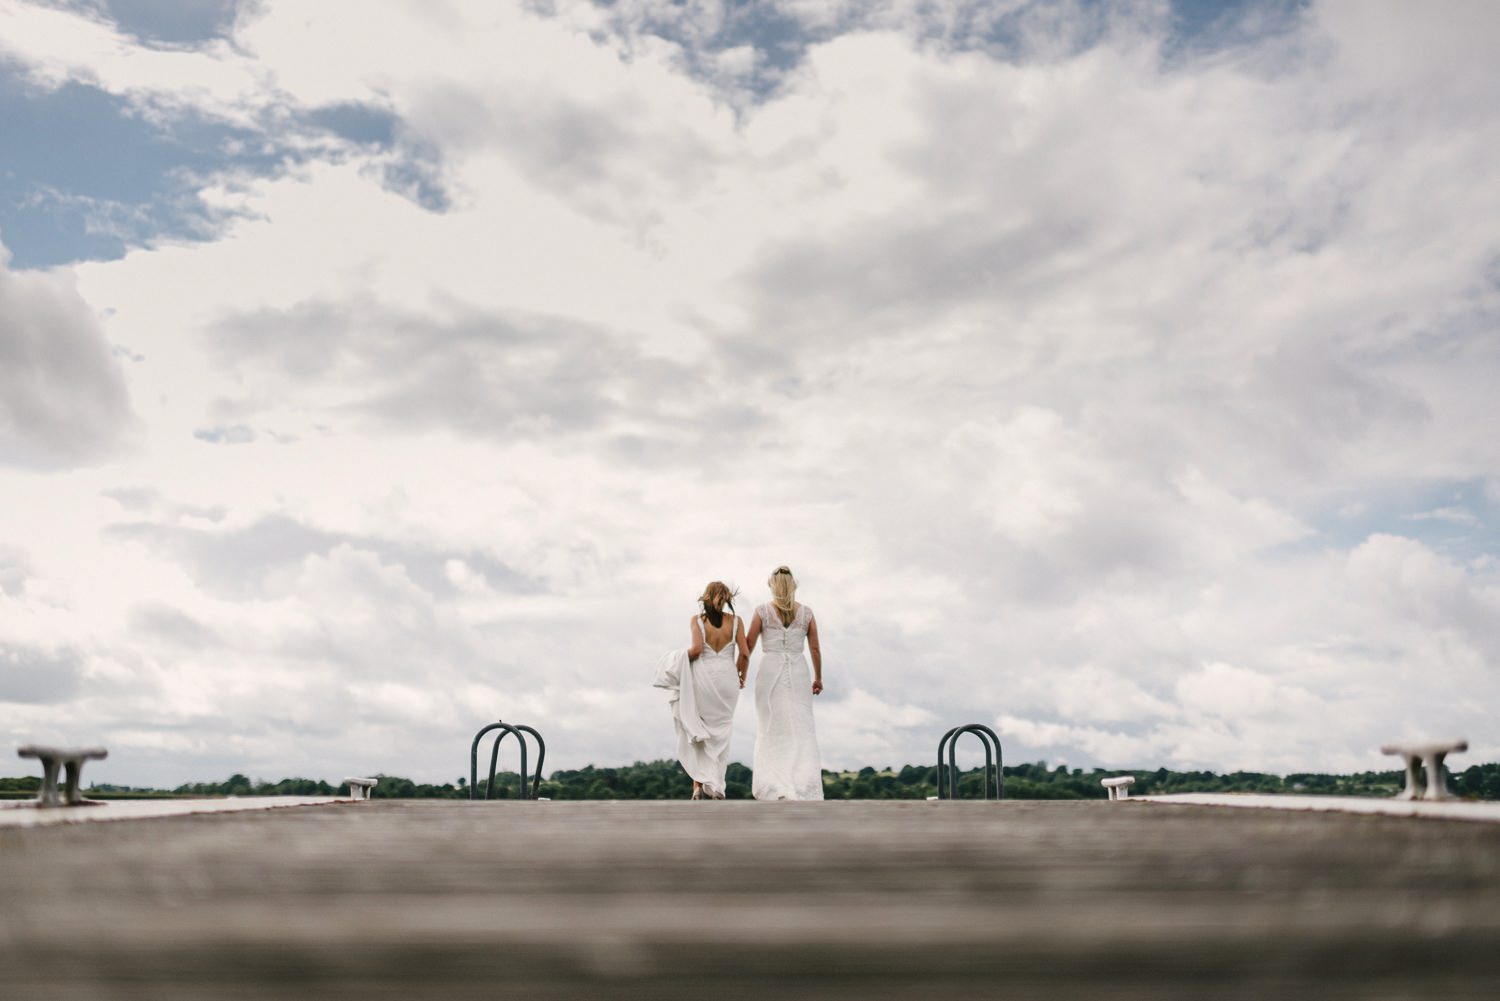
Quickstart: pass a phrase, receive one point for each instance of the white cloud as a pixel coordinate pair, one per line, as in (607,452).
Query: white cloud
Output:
(63,399)
(1041,364)
(1454,514)
(1113,747)
(738,62)
(860,726)
(1427,595)
(30,675)
(1230,692)
(59,46)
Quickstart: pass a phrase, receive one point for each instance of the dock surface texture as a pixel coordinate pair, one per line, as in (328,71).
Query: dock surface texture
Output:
(26,813)
(729,900)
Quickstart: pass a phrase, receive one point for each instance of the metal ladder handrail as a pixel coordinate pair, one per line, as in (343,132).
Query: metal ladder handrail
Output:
(528,790)
(541,756)
(993,761)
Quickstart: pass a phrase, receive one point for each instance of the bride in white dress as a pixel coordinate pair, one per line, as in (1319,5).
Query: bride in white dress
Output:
(787,762)
(718,659)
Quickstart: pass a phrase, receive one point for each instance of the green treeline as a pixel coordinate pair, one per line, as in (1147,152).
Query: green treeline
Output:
(666,780)
(1037,781)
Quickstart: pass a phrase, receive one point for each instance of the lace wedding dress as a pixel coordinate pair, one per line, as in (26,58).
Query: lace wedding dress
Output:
(787,762)
(716,690)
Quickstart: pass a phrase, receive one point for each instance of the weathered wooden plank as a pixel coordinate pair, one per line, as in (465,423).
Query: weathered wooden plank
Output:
(675,900)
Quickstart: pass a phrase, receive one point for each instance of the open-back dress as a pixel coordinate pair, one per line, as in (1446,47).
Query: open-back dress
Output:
(716,689)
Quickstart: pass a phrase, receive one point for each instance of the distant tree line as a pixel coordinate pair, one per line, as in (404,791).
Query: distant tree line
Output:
(666,780)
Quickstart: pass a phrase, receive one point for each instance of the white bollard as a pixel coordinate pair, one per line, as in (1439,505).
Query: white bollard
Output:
(1119,787)
(1429,754)
(360,788)
(68,760)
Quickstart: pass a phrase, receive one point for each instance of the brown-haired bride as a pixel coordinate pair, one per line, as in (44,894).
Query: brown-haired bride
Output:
(718,659)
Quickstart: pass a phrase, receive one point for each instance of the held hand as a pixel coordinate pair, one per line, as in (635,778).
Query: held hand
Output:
(742,681)
(818,687)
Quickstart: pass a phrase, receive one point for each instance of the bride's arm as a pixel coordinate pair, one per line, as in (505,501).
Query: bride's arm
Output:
(696,649)
(817,655)
(753,635)
(742,662)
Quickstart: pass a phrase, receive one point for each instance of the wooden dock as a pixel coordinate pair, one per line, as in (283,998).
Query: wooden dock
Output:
(867,900)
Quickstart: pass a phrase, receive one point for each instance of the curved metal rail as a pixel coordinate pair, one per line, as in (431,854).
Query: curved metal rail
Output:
(993,773)
(528,790)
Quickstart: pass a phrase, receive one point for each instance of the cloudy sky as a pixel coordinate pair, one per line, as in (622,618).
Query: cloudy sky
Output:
(1121,375)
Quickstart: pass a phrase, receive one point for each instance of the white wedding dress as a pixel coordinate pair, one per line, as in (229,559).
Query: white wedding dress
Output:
(716,691)
(787,762)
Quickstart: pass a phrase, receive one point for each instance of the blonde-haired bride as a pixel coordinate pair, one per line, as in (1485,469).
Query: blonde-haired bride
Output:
(787,762)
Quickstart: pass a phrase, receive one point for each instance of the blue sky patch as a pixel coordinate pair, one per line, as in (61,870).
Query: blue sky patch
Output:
(83,176)
(364,124)
(1457,518)
(89,178)
(1194,28)
(172,22)
(1202,27)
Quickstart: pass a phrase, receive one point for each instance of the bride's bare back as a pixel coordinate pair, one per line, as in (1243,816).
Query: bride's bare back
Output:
(731,629)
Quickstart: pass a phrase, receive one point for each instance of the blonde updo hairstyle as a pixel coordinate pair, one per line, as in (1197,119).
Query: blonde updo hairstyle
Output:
(783,594)
(717,596)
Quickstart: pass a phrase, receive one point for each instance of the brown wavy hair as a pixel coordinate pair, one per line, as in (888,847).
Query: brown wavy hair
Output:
(717,596)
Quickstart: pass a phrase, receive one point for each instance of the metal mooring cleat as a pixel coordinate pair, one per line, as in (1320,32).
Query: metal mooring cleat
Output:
(360,788)
(69,759)
(1429,754)
(1119,788)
